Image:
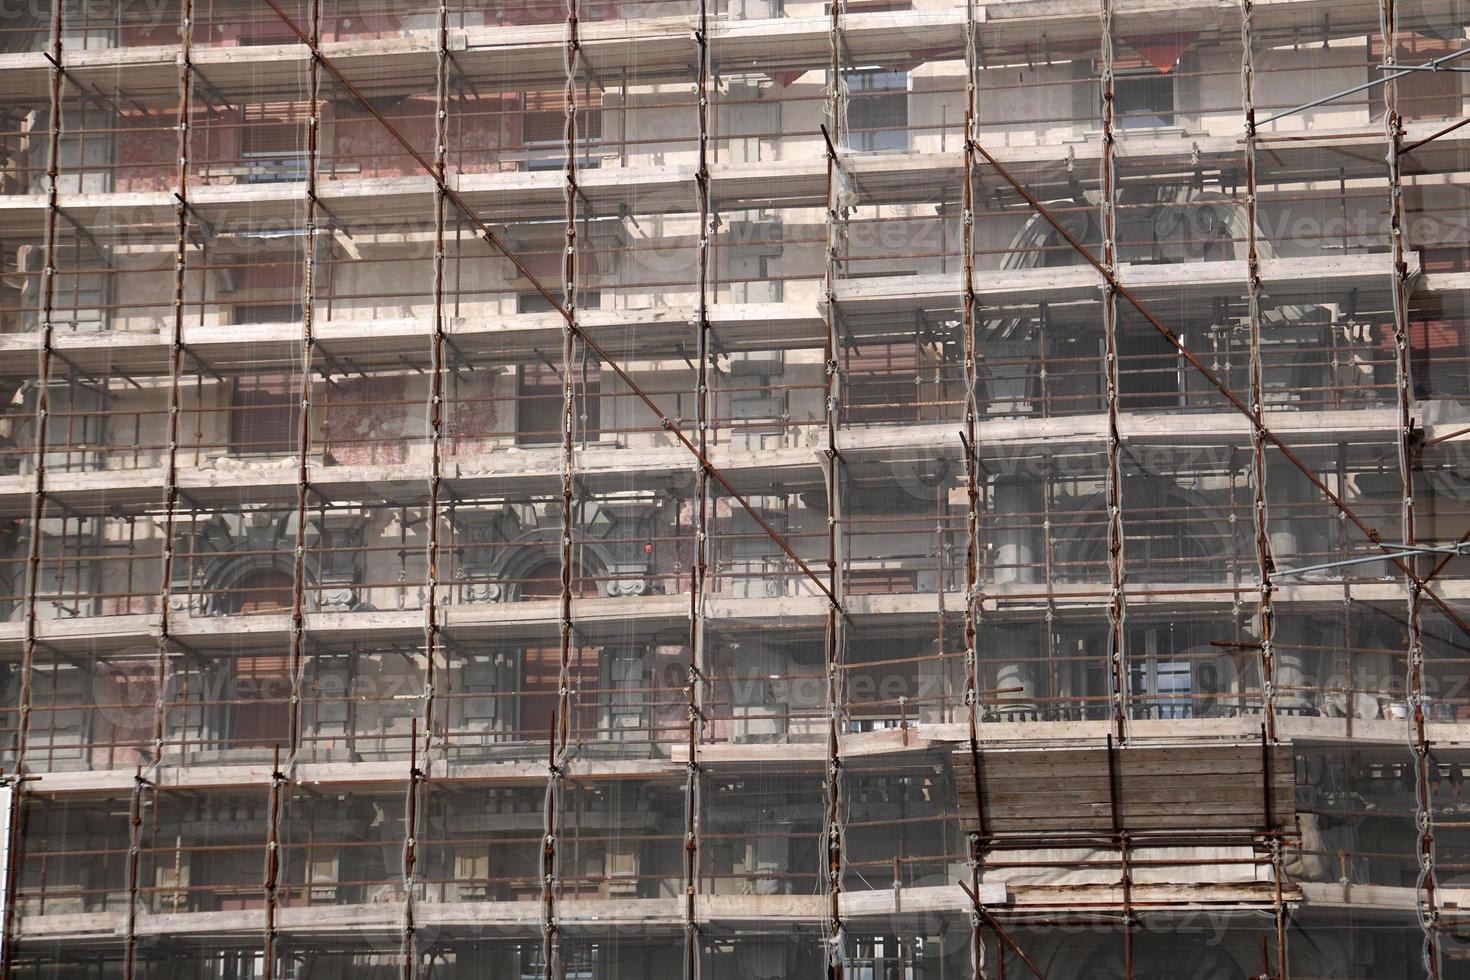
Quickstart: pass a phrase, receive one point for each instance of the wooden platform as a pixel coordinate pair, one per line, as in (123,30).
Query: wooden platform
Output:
(1209,786)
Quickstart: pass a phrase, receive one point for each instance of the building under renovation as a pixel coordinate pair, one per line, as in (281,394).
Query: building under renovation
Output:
(619,489)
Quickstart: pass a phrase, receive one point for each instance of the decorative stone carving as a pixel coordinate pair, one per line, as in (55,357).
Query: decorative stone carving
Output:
(228,547)
(340,536)
(500,545)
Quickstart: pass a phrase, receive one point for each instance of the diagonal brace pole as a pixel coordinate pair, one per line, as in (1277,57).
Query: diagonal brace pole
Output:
(979,910)
(1453,127)
(1402,71)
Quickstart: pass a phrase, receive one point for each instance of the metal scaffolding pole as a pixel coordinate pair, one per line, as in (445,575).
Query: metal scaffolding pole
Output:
(562,715)
(699,551)
(134,870)
(276,804)
(833,830)
(844,815)
(969,435)
(304,390)
(1117,601)
(33,561)
(1425,888)
(1265,561)
(421,748)
(45,356)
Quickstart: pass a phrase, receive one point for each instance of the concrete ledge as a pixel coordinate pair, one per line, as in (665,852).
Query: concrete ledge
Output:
(872,452)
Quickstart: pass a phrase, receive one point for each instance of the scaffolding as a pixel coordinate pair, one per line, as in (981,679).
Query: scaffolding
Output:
(625,488)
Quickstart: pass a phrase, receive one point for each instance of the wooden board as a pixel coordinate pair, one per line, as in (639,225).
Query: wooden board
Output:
(1213,786)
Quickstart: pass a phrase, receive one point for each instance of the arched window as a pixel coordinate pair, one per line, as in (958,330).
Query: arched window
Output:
(265,590)
(543,581)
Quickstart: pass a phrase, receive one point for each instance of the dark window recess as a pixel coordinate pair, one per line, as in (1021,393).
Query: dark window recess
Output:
(539,404)
(1162,689)
(1421,94)
(879,581)
(882,383)
(258,273)
(262,591)
(260,712)
(273,141)
(82,290)
(262,40)
(544,120)
(1148,369)
(588,299)
(1143,99)
(541,678)
(267,313)
(878,109)
(265,415)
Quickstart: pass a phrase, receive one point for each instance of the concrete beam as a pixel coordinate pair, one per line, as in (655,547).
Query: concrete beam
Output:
(662,49)
(393,203)
(1167,290)
(626,917)
(608,619)
(877,454)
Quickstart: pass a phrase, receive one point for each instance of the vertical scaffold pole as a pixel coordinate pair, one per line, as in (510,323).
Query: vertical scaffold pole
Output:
(699,556)
(832,827)
(1426,901)
(974,601)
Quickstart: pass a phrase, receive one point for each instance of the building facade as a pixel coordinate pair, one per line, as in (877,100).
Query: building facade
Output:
(883,489)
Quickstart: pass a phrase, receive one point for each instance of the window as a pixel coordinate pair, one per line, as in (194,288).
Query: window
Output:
(1148,368)
(882,383)
(262,591)
(59,728)
(82,291)
(1160,681)
(750,122)
(263,40)
(487,707)
(76,426)
(587,299)
(260,716)
(1163,688)
(755,565)
(539,685)
(260,712)
(878,109)
(539,389)
(265,415)
(85,149)
(1422,94)
(80,33)
(539,401)
(880,581)
(754,270)
(268,313)
(272,142)
(759,411)
(543,118)
(1143,99)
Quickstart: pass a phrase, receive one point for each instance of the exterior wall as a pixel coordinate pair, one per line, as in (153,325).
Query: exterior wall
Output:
(973,577)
